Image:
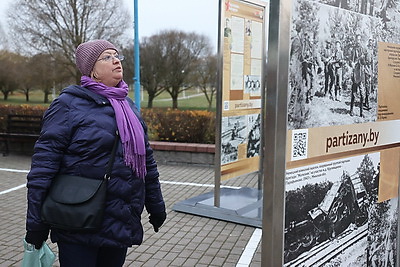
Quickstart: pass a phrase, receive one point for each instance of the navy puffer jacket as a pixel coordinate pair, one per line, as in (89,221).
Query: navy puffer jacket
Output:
(77,137)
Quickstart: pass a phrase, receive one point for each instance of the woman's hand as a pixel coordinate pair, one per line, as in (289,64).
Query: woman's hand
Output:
(36,237)
(157,219)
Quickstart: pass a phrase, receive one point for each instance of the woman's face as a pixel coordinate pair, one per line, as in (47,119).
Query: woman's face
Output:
(108,68)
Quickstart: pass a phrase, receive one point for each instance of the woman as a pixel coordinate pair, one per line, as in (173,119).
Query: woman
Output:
(77,138)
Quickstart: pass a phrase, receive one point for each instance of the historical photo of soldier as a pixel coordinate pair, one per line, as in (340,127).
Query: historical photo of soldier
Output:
(248,27)
(369,72)
(227,28)
(358,62)
(333,66)
(327,59)
(254,135)
(338,61)
(228,32)
(307,64)
(233,133)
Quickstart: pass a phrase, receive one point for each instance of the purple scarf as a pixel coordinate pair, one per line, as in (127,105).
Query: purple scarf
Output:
(129,127)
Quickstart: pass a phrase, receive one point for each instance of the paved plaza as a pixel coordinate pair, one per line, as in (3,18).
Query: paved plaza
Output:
(184,239)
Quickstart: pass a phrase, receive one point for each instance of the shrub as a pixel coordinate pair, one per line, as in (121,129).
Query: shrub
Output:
(190,126)
(18,110)
(186,126)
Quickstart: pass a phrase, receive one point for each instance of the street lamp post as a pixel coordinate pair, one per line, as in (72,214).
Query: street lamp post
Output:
(136,78)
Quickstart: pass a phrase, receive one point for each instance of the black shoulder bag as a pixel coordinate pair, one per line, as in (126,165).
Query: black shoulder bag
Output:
(76,203)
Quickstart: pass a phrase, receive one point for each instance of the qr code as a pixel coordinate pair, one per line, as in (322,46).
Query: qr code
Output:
(299,144)
(226,105)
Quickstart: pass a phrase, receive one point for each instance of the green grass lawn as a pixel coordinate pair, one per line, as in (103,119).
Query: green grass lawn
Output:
(35,98)
(191,99)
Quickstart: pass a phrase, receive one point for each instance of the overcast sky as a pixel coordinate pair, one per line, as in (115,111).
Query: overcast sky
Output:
(200,16)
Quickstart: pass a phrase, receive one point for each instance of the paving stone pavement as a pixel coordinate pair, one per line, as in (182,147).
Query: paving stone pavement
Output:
(184,240)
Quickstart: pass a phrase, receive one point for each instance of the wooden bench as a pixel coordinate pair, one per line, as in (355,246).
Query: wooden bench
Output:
(21,128)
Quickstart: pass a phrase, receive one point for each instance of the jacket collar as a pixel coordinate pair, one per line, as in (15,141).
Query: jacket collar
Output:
(82,92)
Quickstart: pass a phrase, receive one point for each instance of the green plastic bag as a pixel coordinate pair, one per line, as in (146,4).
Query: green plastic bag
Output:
(43,257)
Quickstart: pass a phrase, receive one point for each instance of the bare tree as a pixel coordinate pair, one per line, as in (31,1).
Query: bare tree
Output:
(8,71)
(205,77)
(59,26)
(153,67)
(25,76)
(3,38)
(128,63)
(182,51)
(46,74)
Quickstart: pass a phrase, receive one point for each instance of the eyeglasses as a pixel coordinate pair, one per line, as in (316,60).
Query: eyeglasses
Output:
(111,57)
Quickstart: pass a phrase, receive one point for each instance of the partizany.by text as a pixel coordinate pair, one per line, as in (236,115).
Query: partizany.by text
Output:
(347,139)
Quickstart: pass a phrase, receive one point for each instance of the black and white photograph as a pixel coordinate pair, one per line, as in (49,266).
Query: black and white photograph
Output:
(376,8)
(233,133)
(382,234)
(252,85)
(328,209)
(253,135)
(248,27)
(333,61)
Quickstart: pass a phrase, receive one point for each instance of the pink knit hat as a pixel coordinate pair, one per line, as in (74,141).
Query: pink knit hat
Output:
(86,54)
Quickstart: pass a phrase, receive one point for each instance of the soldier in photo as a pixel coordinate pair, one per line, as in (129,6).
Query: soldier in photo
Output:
(296,43)
(228,32)
(307,65)
(358,62)
(369,73)
(375,182)
(338,60)
(227,29)
(327,59)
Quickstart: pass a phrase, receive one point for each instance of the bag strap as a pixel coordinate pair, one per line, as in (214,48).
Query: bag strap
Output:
(112,159)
